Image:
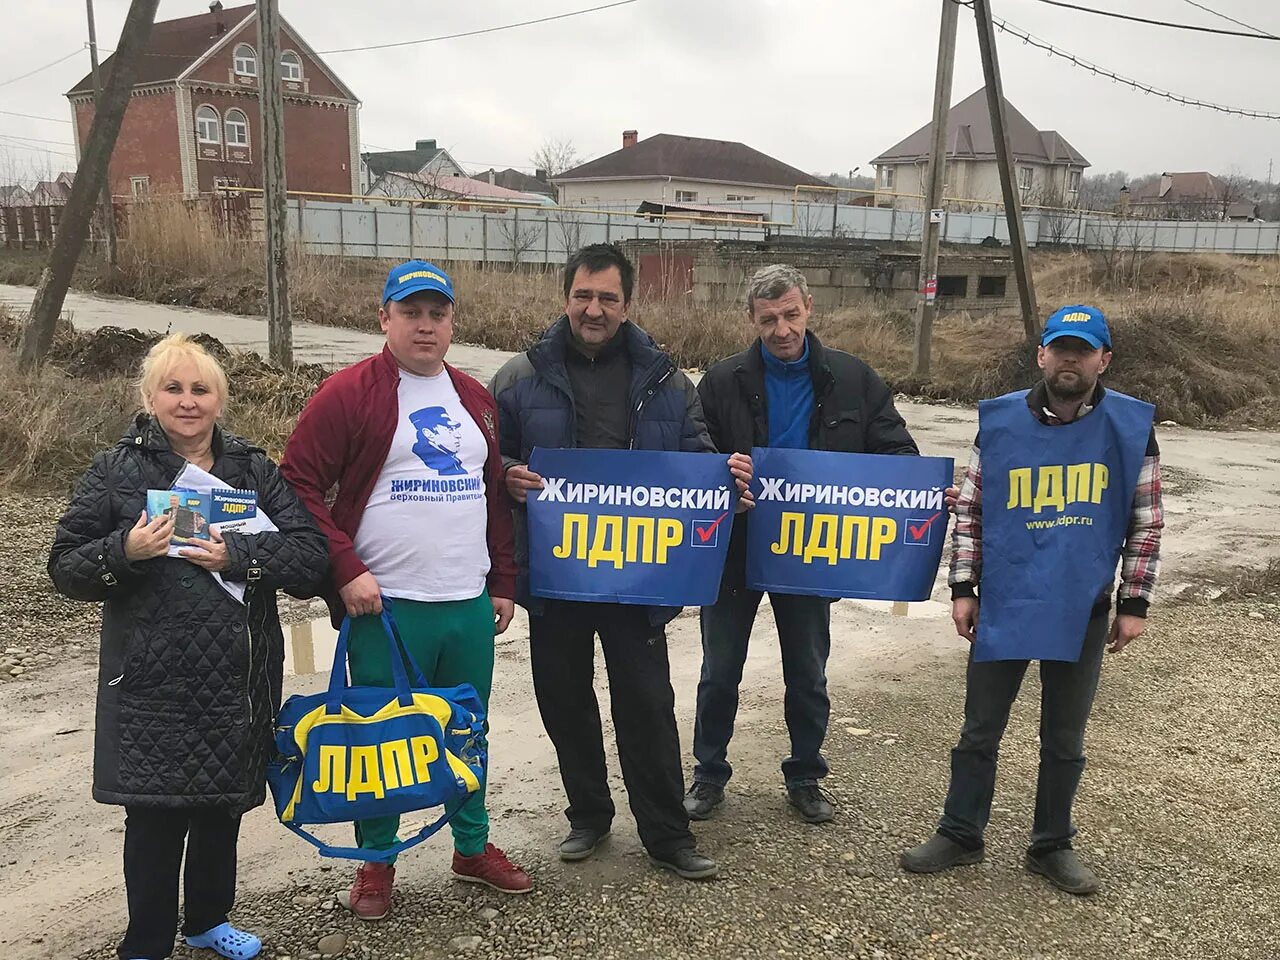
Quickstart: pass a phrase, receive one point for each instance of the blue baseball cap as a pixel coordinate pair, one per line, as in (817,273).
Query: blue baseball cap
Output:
(414,276)
(1085,323)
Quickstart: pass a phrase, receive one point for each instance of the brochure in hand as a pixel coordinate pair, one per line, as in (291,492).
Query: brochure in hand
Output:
(190,512)
(234,511)
(194,512)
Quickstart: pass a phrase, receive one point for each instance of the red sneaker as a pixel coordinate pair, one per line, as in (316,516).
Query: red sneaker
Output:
(370,897)
(493,869)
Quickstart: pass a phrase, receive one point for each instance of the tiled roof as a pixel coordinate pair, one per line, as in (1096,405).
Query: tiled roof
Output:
(691,158)
(175,45)
(969,137)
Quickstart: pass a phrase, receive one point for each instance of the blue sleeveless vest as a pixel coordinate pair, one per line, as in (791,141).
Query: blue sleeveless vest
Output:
(1056,502)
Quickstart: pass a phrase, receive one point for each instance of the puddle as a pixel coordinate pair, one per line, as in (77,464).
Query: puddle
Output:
(309,647)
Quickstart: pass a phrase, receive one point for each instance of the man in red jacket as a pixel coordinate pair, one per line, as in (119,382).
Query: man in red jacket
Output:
(421,516)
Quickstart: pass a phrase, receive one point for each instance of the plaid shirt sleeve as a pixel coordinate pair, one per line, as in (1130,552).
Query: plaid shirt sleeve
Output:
(1140,563)
(966,535)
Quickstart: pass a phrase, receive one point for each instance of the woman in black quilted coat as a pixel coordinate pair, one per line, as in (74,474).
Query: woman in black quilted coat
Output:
(189,676)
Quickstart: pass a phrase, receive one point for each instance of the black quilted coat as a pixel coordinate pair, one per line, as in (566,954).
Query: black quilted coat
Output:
(188,678)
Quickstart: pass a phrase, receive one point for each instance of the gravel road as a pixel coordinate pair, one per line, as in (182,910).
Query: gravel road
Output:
(1177,813)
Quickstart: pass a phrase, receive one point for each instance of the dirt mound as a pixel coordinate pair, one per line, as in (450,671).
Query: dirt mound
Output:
(53,421)
(1191,272)
(1183,355)
(109,352)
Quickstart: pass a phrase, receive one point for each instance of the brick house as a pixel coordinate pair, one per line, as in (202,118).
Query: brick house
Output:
(194,124)
(1191,195)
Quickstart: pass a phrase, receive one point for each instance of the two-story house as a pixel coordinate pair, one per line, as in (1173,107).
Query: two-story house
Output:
(193,122)
(1047,168)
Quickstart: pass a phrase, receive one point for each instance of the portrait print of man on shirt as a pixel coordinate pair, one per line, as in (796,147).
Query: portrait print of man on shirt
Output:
(439,441)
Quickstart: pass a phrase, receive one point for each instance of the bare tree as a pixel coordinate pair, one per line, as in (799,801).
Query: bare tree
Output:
(570,229)
(555,156)
(521,237)
(1057,213)
(409,186)
(1236,187)
(1120,245)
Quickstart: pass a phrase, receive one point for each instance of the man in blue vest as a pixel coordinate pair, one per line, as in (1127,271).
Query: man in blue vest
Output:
(1070,475)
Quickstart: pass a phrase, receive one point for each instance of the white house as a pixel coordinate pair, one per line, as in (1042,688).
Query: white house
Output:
(426,158)
(670,170)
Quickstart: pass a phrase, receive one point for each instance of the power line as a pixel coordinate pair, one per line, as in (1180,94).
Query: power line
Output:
(1157,23)
(6,143)
(474,33)
(57,143)
(32,73)
(1029,38)
(1238,23)
(32,116)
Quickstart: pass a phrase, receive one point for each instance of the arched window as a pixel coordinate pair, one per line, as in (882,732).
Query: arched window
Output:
(246,61)
(290,66)
(207,125)
(237,127)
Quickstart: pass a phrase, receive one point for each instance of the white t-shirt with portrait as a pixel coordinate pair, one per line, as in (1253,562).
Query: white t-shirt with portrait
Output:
(422,535)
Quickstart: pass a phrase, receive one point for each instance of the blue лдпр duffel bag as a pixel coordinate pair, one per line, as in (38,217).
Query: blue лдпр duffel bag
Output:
(355,753)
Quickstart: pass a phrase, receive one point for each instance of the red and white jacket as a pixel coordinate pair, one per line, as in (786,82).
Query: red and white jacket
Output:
(342,439)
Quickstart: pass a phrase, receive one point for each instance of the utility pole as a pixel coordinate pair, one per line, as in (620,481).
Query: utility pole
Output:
(108,210)
(91,176)
(1004,159)
(274,198)
(931,235)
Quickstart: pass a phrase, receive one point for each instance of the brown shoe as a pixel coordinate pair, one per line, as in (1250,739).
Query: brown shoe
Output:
(370,897)
(492,868)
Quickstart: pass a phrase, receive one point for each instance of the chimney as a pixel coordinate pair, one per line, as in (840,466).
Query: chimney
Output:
(540,174)
(1166,183)
(629,138)
(219,28)
(425,145)
(492,176)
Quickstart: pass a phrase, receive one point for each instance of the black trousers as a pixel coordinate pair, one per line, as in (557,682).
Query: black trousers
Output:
(1066,700)
(153,843)
(562,651)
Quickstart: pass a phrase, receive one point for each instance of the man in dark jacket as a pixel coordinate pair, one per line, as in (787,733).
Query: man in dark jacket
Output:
(596,380)
(785,390)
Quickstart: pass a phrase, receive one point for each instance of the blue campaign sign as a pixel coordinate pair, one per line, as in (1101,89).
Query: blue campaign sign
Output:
(630,526)
(847,524)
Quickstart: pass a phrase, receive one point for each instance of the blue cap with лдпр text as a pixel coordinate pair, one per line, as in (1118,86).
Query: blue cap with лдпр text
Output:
(1080,321)
(415,276)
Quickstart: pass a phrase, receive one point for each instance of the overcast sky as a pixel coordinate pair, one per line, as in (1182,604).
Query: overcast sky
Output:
(824,85)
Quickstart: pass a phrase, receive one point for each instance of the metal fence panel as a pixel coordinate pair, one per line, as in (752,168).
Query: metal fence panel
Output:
(532,235)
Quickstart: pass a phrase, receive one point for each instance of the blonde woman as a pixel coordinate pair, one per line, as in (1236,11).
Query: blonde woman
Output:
(189,677)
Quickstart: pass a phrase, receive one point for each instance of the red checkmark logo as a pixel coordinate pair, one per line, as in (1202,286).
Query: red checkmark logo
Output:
(706,533)
(918,531)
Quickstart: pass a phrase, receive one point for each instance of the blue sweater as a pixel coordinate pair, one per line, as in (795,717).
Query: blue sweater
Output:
(789,392)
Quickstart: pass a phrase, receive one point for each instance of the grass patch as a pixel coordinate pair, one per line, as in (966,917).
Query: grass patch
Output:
(1251,584)
(53,421)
